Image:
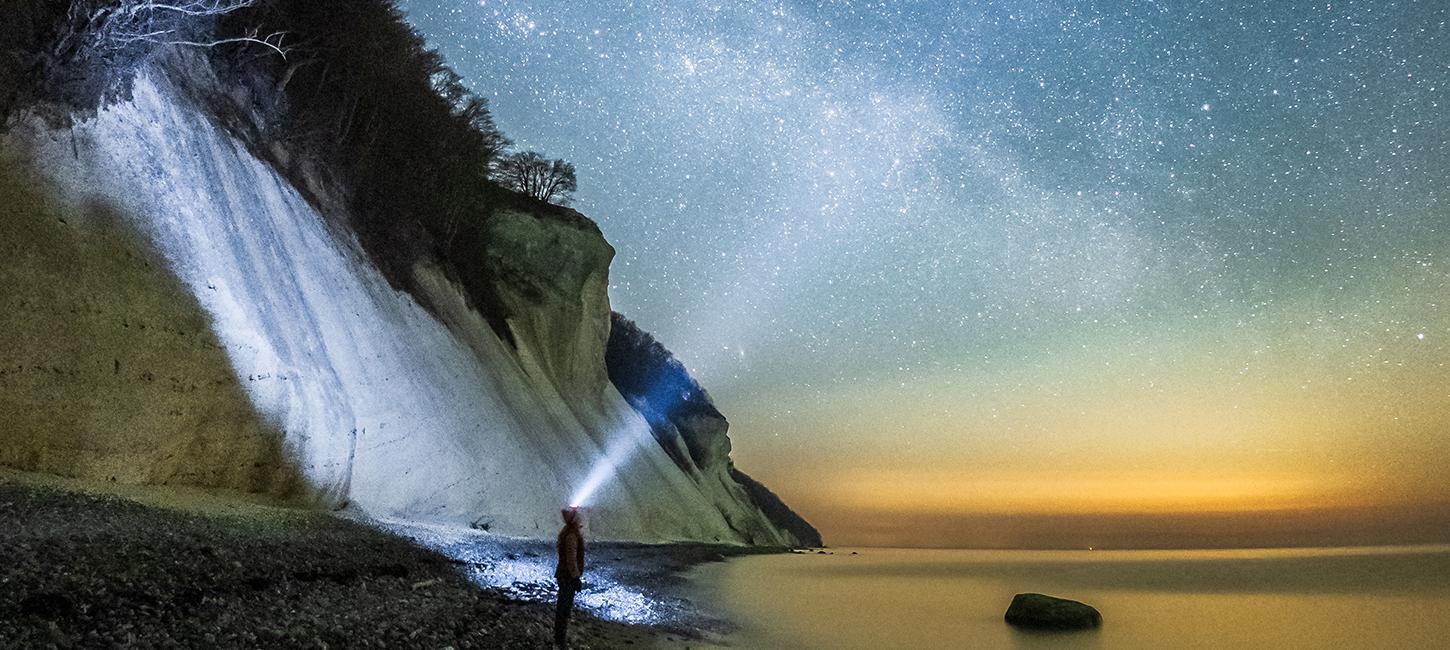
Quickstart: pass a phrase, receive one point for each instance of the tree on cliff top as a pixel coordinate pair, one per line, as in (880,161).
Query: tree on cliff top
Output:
(546,180)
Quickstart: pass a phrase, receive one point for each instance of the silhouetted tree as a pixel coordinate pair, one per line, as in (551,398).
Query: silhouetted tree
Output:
(547,180)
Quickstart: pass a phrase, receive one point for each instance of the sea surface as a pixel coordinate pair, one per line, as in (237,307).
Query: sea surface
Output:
(1397,597)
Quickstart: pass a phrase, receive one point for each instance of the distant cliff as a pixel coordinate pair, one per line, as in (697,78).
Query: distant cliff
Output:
(691,430)
(223,268)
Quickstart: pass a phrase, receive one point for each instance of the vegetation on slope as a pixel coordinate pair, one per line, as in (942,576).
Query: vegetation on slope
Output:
(342,96)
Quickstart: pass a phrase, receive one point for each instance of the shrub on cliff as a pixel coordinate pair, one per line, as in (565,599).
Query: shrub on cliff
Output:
(414,148)
(361,91)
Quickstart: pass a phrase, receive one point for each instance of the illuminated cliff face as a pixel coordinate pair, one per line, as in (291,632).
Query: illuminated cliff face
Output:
(296,367)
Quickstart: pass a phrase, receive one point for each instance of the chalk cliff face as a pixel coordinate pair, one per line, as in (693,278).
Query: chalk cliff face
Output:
(174,311)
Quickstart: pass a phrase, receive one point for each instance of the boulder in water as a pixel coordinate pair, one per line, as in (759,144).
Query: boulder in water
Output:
(1050,613)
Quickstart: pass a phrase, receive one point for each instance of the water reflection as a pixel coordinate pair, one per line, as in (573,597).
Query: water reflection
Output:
(1360,570)
(883,598)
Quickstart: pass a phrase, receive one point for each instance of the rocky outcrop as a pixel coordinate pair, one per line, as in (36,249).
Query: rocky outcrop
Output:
(175,310)
(551,277)
(694,433)
(1051,613)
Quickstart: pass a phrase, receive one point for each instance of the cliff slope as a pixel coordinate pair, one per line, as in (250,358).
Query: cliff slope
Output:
(175,310)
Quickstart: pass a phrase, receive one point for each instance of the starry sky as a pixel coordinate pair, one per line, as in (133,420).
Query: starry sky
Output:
(982,273)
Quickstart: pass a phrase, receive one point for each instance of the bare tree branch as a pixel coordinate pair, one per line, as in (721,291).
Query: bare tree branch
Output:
(196,8)
(117,24)
(266,42)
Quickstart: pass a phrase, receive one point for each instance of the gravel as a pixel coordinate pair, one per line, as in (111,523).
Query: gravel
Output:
(81,570)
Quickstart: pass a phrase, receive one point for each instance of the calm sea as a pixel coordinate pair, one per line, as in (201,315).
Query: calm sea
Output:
(900,598)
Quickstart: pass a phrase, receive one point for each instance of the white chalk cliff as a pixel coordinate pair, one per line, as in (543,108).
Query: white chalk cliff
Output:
(172,310)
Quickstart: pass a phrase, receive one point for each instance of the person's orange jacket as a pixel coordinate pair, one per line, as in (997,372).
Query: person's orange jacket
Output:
(571,553)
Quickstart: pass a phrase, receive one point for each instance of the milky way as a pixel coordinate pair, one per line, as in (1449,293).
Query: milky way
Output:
(917,238)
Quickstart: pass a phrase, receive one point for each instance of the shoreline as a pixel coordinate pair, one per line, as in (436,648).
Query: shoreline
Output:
(107,565)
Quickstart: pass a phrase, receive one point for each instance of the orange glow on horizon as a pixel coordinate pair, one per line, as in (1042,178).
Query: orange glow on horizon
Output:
(1083,492)
(1277,423)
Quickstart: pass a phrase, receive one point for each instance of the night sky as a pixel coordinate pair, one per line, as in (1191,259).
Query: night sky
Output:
(947,262)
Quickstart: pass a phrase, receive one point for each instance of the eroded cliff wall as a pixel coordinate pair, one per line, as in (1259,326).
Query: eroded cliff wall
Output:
(109,368)
(276,357)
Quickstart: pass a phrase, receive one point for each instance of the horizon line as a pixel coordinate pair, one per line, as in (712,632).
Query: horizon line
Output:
(1435,546)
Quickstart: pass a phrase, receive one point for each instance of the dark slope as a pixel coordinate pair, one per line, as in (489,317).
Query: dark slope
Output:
(683,418)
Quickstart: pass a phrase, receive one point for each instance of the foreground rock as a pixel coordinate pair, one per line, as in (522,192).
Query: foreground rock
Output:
(1050,613)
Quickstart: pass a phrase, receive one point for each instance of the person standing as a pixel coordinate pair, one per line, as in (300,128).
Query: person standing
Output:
(569,573)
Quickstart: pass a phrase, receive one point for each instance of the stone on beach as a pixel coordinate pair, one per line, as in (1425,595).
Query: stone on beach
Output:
(1051,613)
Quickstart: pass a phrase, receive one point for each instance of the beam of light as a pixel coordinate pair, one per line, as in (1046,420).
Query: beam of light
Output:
(669,387)
(618,451)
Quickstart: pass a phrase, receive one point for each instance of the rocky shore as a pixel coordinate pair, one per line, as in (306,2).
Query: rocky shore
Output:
(95,570)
